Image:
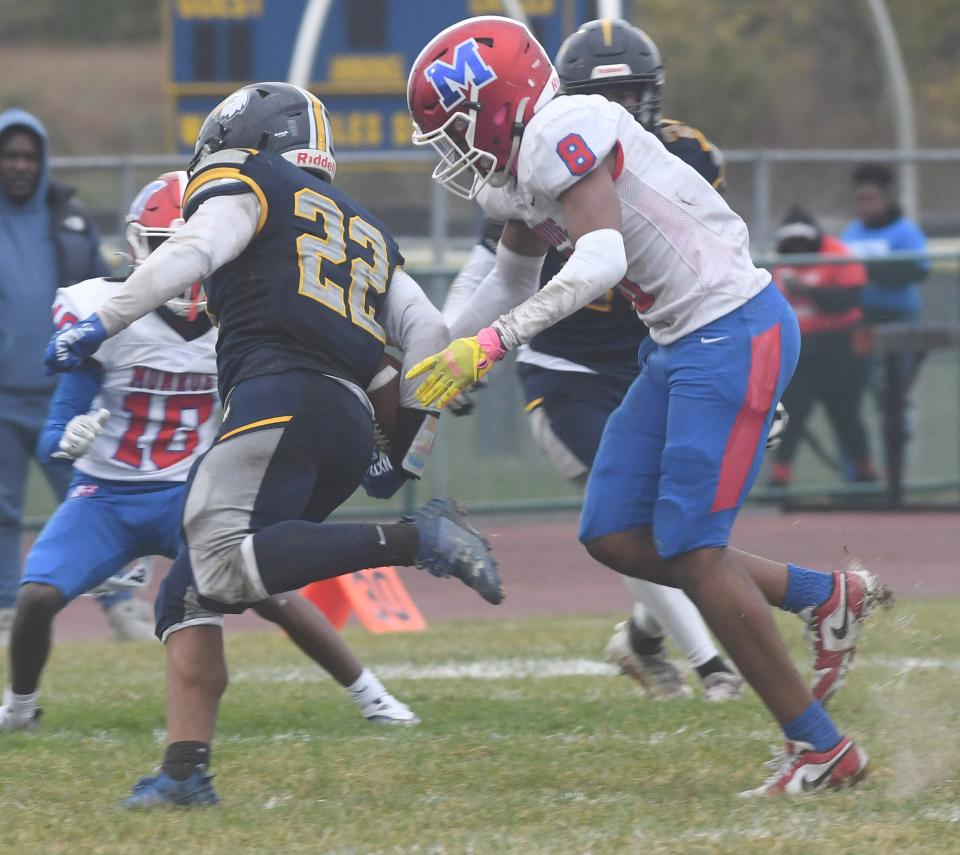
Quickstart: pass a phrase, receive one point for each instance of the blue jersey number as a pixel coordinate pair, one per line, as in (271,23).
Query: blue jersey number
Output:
(576,154)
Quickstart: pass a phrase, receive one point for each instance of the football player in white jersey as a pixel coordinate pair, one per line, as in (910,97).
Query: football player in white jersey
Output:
(680,453)
(576,372)
(135,421)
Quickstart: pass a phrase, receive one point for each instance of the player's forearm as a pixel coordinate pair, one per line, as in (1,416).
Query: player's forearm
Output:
(218,232)
(514,278)
(414,325)
(73,397)
(477,267)
(598,263)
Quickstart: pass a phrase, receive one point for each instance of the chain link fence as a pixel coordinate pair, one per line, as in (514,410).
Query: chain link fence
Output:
(489,458)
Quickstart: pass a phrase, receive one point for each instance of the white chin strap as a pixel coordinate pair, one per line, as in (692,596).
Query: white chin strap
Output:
(502,176)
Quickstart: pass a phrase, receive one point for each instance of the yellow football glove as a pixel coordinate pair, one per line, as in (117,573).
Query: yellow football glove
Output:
(457,367)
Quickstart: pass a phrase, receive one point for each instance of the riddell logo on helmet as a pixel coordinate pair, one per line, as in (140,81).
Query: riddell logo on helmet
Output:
(312,159)
(304,158)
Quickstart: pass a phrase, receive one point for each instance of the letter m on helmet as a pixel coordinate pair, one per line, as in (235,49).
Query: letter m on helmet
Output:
(451,81)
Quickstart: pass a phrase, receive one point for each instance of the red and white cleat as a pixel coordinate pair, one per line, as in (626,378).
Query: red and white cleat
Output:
(801,770)
(835,626)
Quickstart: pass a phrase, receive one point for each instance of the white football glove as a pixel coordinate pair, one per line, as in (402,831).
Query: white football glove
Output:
(80,433)
(781,418)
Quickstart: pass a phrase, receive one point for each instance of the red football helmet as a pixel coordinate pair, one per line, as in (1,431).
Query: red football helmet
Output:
(471,92)
(154,215)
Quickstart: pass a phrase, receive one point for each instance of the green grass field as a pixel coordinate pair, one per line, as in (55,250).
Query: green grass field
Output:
(528,745)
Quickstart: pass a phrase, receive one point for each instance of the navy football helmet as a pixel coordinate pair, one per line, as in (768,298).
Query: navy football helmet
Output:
(609,53)
(277,117)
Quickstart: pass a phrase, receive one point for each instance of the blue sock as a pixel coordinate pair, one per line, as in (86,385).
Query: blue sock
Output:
(806,588)
(813,726)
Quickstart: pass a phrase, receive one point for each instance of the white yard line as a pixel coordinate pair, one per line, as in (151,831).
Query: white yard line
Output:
(547,667)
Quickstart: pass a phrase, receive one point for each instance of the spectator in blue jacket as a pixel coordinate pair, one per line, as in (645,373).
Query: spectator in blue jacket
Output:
(47,241)
(892,293)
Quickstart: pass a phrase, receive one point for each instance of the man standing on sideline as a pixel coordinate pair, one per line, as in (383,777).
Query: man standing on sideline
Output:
(47,241)
(892,294)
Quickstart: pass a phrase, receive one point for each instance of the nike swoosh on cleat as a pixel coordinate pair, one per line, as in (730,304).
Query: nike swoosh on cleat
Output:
(712,340)
(841,633)
(810,786)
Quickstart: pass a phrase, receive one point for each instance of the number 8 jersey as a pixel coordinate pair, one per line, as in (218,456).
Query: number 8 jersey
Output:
(309,290)
(160,389)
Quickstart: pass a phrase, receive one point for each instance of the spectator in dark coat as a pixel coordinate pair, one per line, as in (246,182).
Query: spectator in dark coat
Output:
(47,241)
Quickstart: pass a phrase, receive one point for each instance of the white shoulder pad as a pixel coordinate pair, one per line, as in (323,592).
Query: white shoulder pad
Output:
(225,157)
(495,203)
(81,300)
(567,139)
(217,173)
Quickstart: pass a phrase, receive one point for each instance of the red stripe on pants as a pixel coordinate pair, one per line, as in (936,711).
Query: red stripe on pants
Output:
(744,437)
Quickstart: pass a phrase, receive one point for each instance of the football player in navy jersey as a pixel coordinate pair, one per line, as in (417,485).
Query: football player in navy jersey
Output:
(134,421)
(306,287)
(575,373)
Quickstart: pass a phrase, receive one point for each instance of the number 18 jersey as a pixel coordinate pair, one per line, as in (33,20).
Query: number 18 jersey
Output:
(160,389)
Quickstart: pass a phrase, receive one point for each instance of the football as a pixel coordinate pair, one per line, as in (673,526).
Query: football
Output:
(384,394)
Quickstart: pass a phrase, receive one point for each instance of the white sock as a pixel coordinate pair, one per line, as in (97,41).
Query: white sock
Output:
(679,617)
(366,688)
(22,707)
(644,620)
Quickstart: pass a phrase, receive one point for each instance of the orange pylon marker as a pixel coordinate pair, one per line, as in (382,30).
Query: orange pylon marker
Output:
(377,596)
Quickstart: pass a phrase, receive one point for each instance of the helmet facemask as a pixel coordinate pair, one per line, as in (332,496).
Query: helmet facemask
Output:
(463,168)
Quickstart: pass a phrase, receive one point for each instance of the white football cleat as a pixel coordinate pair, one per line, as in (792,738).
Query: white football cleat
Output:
(655,672)
(386,709)
(131,620)
(22,720)
(10,723)
(721,686)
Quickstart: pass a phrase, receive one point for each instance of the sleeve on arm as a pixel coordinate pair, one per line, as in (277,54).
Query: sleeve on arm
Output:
(65,313)
(476,268)
(897,273)
(217,233)
(912,239)
(598,263)
(513,279)
(413,324)
(74,395)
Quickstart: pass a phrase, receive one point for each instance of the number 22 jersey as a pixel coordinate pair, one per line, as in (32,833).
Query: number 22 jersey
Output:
(309,290)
